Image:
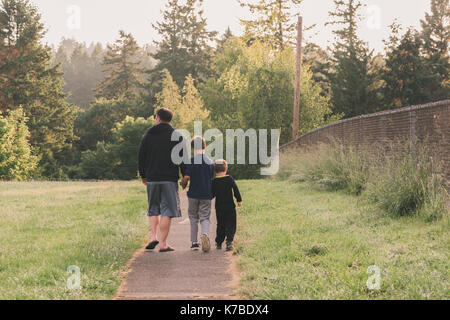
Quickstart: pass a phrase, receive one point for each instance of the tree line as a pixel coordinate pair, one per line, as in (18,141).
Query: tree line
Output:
(78,111)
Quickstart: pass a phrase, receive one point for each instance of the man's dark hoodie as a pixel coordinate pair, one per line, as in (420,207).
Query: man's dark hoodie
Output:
(155,161)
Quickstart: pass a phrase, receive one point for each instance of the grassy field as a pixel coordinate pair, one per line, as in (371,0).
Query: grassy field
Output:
(293,243)
(297,243)
(47,227)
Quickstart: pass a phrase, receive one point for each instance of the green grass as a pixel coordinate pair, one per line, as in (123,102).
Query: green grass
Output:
(296,242)
(45,227)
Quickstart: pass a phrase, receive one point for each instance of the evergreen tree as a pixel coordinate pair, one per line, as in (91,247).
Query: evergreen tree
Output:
(275,23)
(404,74)
(435,37)
(29,80)
(185,45)
(124,74)
(353,80)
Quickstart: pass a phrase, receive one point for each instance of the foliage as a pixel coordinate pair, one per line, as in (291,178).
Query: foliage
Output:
(96,123)
(116,160)
(352,74)
(435,37)
(401,179)
(186,105)
(185,46)
(124,74)
(17,161)
(29,80)
(274,23)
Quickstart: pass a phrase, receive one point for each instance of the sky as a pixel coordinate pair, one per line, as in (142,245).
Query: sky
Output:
(100,20)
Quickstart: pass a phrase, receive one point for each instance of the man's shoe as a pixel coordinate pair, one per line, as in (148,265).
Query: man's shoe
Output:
(218,246)
(152,245)
(206,245)
(230,247)
(195,246)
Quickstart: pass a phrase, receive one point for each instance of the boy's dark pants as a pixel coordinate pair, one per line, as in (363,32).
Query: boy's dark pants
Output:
(226,224)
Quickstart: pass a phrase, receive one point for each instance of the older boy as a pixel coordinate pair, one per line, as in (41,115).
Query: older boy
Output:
(200,172)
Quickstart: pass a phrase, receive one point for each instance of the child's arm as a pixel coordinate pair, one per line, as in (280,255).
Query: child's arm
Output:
(236,192)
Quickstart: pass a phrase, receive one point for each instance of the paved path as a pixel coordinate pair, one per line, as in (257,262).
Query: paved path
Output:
(183,274)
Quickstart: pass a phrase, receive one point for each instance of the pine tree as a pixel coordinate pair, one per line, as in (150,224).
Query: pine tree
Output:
(274,24)
(404,73)
(353,82)
(435,37)
(124,74)
(29,80)
(185,45)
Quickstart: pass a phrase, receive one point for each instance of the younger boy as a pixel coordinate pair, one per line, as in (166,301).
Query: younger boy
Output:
(200,172)
(223,187)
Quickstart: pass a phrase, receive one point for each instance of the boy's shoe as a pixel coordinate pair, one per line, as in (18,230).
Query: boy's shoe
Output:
(206,245)
(229,246)
(195,246)
(218,246)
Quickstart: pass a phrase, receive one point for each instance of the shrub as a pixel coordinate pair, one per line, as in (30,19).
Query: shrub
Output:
(401,179)
(334,166)
(409,183)
(16,159)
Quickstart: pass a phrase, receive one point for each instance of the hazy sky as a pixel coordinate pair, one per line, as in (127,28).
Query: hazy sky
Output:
(100,20)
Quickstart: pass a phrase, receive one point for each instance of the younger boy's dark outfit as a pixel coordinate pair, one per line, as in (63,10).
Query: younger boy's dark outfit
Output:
(223,189)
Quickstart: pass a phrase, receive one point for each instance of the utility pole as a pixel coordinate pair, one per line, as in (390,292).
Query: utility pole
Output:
(295,123)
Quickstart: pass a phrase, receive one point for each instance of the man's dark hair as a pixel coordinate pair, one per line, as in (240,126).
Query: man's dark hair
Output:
(197,143)
(220,166)
(165,114)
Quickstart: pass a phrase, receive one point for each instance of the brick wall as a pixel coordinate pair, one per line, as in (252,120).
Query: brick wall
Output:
(428,122)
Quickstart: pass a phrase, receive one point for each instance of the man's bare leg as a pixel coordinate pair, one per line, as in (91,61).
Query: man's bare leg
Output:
(154,223)
(164,227)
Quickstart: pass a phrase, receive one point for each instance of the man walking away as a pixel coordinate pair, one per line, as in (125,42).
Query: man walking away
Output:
(160,175)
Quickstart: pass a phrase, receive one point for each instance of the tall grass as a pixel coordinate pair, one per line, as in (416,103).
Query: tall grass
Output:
(400,178)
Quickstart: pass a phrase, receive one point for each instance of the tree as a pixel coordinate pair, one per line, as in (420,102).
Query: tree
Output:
(186,105)
(185,46)
(274,24)
(353,80)
(29,80)
(17,162)
(123,69)
(404,74)
(116,160)
(95,124)
(435,37)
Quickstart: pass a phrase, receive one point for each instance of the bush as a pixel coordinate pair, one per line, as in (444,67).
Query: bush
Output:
(400,179)
(409,183)
(334,166)
(16,159)
(116,160)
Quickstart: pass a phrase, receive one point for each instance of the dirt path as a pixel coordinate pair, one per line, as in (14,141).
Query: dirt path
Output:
(183,274)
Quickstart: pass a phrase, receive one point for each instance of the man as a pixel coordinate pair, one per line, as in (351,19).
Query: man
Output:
(160,175)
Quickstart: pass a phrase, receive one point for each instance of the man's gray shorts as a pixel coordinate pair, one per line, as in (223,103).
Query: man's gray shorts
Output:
(163,199)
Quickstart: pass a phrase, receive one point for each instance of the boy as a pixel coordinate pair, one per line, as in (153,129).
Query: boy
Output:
(223,187)
(200,172)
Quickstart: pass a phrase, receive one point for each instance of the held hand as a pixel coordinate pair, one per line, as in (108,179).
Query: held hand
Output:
(239,204)
(144,182)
